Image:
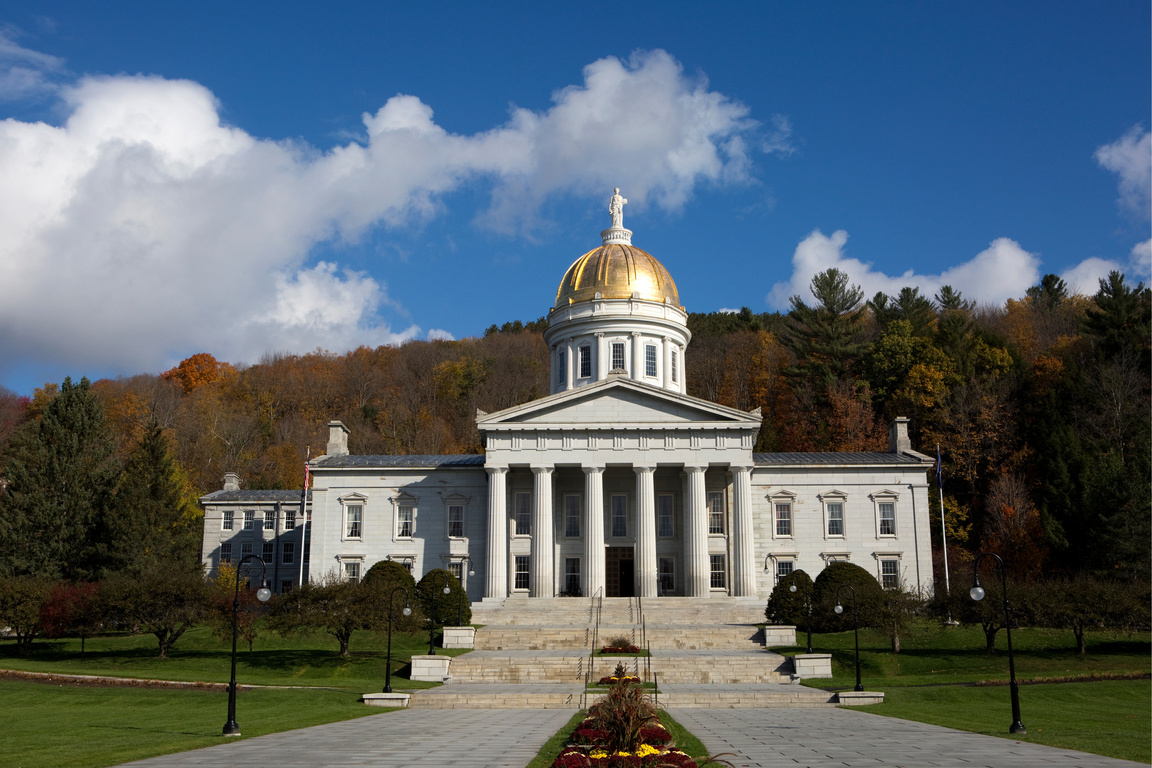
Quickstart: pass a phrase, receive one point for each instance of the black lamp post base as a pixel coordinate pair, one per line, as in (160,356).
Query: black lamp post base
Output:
(231,729)
(1017,727)
(858,687)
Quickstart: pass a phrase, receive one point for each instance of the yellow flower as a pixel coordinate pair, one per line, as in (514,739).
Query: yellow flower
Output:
(647,749)
(598,754)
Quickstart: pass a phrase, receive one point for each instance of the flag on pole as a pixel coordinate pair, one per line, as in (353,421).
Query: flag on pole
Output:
(939,469)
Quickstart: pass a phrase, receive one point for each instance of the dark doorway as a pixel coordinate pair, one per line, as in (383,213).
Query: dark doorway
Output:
(619,572)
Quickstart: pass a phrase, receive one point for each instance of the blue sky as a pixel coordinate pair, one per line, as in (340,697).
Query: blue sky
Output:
(240,178)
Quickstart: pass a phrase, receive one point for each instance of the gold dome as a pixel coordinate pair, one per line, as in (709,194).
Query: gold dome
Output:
(617,271)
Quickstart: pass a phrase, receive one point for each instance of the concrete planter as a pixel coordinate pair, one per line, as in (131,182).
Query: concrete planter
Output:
(459,637)
(812,664)
(386,699)
(775,634)
(430,668)
(859,698)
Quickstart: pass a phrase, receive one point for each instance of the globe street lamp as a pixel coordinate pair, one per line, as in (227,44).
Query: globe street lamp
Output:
(808,607)
(855,627)
(432,625)
(463,592)
(407,612)
(262,594)
(977,594)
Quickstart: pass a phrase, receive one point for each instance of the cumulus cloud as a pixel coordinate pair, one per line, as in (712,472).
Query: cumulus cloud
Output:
(143,228)
(1002,271)
(1085,277)
(1130,158)
(24,72)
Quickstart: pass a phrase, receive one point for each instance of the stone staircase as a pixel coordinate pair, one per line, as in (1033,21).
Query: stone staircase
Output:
(536,654)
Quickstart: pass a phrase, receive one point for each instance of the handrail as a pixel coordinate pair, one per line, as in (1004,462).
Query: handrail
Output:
(595,607)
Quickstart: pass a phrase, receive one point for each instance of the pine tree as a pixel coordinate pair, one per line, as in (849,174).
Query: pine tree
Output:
(827,337)
(61,473)
(157,522)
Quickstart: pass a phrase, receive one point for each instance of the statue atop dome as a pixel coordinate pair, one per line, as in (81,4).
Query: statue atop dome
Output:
(616,208)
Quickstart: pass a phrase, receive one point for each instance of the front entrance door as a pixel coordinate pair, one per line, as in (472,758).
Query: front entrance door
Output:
(619,572)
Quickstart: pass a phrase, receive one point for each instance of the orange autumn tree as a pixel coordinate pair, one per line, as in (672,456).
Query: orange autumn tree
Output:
(194,372)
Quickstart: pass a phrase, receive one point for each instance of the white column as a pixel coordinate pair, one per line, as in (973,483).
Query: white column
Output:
(637,357)
(497,533)
(601,363)
(666,356)
(696,537)
(542,576)
(570,361)
(683,370)
(593,530)
(645,531)
(743,565)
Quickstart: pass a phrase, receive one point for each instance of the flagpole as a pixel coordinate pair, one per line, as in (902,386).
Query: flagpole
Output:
(304,513)
(943,532)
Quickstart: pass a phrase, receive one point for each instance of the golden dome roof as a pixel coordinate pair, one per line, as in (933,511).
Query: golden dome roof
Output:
(617,271)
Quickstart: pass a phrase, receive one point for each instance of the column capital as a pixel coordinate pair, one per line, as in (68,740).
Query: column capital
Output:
(641,469)
(599,334)
(636,333)
(495,470)
(693,470)
(591,469)
(545,469)
(741,467)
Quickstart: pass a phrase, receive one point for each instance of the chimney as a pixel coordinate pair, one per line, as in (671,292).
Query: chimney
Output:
(898,441)
(337,439)
(231,481)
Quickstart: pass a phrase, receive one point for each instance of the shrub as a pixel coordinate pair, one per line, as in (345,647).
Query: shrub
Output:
(21,601)
(380,584)
(784,605)
(162,601)
(447,605)
(73,609)
(332,604)
(869,597)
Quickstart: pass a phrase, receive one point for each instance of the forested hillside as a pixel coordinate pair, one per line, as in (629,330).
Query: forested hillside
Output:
(1041,407)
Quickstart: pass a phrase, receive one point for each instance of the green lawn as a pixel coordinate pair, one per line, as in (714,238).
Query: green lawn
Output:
(307,660)
(88,727)
(1110,717)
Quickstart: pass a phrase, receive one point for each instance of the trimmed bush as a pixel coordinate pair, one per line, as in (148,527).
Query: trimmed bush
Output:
(786,606)
(447,605)
(869,598)
(380,584)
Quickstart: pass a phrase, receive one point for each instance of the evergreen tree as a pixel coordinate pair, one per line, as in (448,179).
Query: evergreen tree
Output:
(1121,318)
(1049,294)
(827,337)
(61,473)
(157,522)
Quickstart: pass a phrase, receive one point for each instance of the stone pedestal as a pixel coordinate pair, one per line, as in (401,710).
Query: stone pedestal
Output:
(859,698)
(386,699)
(778,634)
(459,637)
(430,668)
(812,665)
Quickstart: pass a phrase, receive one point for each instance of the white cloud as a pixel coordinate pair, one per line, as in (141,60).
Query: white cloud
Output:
(24,72)
(1130,157)
(143,229)
(1085,277)
(1002,271)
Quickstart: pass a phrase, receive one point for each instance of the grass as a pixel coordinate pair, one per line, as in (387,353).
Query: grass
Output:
(1109,717)
(108,726)
(304,660)
(931,680)
(682,738)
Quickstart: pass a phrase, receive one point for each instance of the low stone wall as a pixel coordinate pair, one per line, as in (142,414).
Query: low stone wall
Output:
(430,668)
(459,637)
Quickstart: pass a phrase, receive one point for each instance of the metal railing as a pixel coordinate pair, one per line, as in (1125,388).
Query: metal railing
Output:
(595,608)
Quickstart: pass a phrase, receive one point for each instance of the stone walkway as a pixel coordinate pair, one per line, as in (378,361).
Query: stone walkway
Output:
(452,737)
(827,738)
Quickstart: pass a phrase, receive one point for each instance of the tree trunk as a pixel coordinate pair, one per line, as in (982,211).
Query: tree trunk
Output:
(163,636)
(1081,646)
(895,639)
(990,638)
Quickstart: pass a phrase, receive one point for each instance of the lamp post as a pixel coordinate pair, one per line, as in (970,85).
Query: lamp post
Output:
(432,625)
(808,607)
(977,594)
(407,612)
(855,627)
(463,591)
(262,594)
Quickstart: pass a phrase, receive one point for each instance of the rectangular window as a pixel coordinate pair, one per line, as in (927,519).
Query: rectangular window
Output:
(226,521)
(226,552)
(835,519)
(563,372)
(352,572)
(650,360)
(618,355)
(585,362)
(783,568)
(249,520)
(664,509)
(245,549)
(666,574)
(572,516)
(523,512)
(890,574)
(286,587)
(307,550)
(572,575)
(457,570)
(269,553)
(289,550)
(619,516)
(456,521)
(521,571)
(783,519)
(887,518)
(675,368)
(269,521)
(715,512)
(289,520)
(354,518)
(719,577)
(405,521)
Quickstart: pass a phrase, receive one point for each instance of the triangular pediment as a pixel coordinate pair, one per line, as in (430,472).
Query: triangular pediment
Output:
(619,402)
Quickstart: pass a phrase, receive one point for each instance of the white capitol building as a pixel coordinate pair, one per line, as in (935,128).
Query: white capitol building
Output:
(617,483)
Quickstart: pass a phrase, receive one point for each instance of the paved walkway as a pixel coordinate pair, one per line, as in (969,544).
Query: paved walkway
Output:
(461,738)
(823,738)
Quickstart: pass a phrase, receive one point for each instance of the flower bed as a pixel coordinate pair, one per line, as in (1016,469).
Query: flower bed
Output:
(620,649)
(613,679)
